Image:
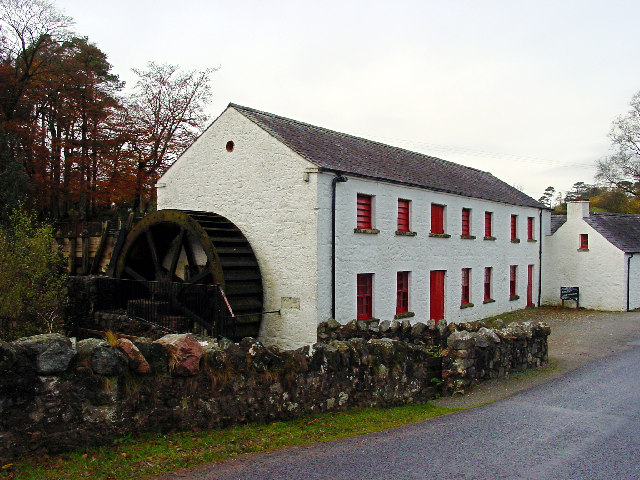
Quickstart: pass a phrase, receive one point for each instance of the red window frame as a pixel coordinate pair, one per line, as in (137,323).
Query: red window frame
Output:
(466,222)
(513,275)
(529,228)
(487,283)
(584,241)
(364,212)
(365,296)
(437,218)
(514,227)
(466,291)
(403,215)
(402,295)
(488,224)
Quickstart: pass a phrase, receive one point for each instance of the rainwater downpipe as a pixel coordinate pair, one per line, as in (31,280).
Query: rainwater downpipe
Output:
(629,277)
(338,178)
(540,256)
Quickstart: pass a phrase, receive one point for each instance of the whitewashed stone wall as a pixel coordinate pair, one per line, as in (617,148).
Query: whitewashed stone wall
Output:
(634,287)
(384,254)
(600,272)
(259,186)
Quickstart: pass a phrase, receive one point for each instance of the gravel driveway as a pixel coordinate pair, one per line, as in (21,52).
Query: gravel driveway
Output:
(577,337)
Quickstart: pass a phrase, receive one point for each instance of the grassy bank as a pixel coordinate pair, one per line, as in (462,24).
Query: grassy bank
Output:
(155,454)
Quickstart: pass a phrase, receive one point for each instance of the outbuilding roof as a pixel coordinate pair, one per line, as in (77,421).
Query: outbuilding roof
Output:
(347,154)
(621,229)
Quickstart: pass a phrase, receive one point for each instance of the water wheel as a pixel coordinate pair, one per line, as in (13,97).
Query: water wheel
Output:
(191,247)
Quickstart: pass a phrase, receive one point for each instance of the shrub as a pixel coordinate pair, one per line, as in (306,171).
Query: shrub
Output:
(32,285)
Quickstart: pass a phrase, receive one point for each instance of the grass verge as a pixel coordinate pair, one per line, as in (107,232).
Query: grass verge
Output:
(156,454)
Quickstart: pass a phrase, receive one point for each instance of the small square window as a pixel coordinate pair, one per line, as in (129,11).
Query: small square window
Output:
(584,241)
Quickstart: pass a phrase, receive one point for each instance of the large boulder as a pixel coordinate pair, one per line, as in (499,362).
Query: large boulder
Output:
(184,353)
(102,358)
(53,352)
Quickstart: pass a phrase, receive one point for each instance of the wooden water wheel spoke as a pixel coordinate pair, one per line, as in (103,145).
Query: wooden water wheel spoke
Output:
(201,276)
(136,276)
(154,254)
(176,254)
(191,259)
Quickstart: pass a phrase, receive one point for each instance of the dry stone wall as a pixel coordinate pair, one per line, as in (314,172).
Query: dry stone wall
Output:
(58,394)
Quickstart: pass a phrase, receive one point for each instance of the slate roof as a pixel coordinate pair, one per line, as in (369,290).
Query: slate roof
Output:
(348,154)
(621,229)
(556,222)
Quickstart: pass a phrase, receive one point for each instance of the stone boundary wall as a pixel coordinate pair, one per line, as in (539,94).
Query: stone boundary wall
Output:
(57,394)
(472,352)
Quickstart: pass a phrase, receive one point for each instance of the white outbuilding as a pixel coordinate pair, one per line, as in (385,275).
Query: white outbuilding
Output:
(596,253)
(347,228)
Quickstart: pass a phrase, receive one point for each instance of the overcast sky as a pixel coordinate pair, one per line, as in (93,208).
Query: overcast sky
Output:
(524,89)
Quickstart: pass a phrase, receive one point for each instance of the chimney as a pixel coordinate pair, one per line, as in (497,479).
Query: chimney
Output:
(577,209)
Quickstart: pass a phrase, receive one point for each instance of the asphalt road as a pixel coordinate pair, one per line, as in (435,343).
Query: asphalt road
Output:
(582,425)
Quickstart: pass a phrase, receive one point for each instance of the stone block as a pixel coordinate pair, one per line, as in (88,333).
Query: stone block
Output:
(184,353)
(53,352)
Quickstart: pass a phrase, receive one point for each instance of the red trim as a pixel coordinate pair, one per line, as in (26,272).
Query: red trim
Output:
(365,296)
(364,212)
(514,227)
(584,241)
(488,221)
(529,228)
(437,218)
(436,295)
(402,295)
(466,274)
(466,219)
(487,283)
(403,215)
(513,275)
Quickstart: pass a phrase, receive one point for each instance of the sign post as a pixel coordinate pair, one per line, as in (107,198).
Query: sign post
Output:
(570,293)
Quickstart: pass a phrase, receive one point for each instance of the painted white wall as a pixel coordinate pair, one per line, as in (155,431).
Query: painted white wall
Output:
(385,253)
(600,272)
(259,186)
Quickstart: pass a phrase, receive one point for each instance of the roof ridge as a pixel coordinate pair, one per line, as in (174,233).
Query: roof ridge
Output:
(356,137)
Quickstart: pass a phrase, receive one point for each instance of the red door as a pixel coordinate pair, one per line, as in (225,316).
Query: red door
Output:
(436,289)
(530,286)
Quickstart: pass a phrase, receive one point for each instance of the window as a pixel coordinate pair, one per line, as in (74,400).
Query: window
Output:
(402,296)
(403,215)
(437,218)
(529,228)
(364,212)
(584,241)
(365,296)
(514,227)
(487,284)
(513,274)
(466,222)
(466,293)
(488,224)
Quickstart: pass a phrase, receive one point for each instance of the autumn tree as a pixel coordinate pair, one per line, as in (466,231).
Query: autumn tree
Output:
(165,115)
(622,168)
